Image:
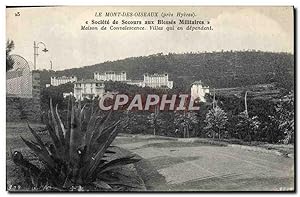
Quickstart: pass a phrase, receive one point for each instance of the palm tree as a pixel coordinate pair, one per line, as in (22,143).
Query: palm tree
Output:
(10,45)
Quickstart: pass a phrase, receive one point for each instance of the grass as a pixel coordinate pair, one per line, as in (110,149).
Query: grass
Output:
(125,138)
(227,184)
(175,144)
(146,168)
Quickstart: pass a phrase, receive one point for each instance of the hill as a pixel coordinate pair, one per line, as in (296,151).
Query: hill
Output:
(223,69)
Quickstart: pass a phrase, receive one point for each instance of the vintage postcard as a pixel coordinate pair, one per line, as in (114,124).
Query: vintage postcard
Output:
(150,99)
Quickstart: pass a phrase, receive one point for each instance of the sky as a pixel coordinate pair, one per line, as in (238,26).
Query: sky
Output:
(234,28)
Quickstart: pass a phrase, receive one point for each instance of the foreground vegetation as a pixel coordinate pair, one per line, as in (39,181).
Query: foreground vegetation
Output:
(79,155)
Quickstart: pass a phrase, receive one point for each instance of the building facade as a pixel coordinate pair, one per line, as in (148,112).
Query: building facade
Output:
(154,81)
(56,81)
(198,91)
(88,89)
(157,81)
(110,76)
(135,82)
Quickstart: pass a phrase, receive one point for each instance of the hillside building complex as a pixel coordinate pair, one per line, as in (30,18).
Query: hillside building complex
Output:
(110,76)
(88,89)
(91,88)
(157,81)
(154,81)
(198,91)
(56,81)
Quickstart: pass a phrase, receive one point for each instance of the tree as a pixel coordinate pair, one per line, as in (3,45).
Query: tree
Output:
(286,120)
(185,121)
(153,119)
(10,45)
(216,120)
(247,127)
(56,94)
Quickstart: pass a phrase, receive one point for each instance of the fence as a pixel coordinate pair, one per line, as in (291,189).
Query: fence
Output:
(22,93)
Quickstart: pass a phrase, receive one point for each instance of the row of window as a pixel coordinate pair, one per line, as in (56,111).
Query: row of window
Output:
(78,85)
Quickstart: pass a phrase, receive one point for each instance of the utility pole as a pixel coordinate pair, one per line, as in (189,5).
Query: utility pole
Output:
(246,107)
(34,56)
(36,50)
(50,65)
(214,99)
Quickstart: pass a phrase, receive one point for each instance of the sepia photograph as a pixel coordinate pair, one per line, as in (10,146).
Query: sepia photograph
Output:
(150,99)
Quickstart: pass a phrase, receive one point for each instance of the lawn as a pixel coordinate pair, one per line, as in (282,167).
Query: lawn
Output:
(190,164)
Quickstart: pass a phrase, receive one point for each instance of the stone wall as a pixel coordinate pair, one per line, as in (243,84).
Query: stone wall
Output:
(22,109)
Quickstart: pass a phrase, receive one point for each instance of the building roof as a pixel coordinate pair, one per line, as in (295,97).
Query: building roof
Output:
(109,71)
(63,77)
(89,81)
(197,82)
(156,74)
(134,81)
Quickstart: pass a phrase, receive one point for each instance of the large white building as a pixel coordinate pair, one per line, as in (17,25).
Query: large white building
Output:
(198,91)
(110,76)
(89,89)
(157,81)
(154,81)
(56,81)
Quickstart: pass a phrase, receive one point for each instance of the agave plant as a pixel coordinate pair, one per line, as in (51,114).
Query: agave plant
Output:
(80,151)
